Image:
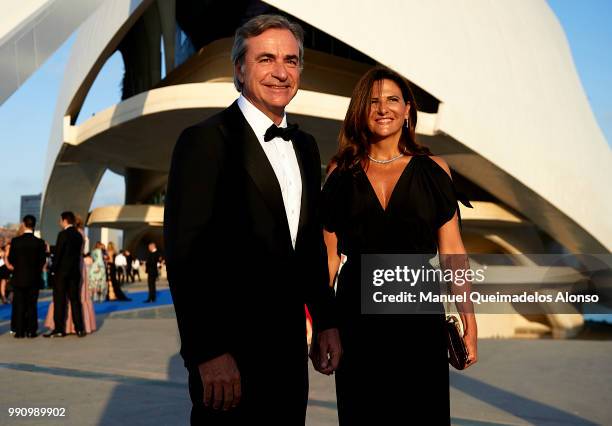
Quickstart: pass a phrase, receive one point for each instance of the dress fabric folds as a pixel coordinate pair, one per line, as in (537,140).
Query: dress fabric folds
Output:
(395,367)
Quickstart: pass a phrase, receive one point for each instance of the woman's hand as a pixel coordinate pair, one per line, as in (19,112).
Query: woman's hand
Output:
(471,344)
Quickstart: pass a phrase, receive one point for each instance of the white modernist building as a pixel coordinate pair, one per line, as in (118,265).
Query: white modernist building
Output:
(499,95)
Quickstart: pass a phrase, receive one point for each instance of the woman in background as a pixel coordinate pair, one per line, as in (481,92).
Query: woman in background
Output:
(5,273)
(115,292)
(98,286)
(89,316)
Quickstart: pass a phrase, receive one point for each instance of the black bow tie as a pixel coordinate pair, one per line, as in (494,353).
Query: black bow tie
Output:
(282,132)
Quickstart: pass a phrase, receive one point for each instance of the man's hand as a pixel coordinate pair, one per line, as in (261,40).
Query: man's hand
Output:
(325,351)
(221,381)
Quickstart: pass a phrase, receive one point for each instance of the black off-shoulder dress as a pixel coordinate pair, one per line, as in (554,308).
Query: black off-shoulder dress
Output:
(395,367)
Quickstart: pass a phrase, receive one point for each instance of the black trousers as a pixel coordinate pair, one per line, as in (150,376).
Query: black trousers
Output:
(24,315)
(271,398)
(67,288)
(151,279)
(120,274)
(129,275)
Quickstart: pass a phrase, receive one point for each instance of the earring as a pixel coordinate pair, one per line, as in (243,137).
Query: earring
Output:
(406,123)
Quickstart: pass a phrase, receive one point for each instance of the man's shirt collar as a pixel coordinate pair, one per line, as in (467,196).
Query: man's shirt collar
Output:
(258,121)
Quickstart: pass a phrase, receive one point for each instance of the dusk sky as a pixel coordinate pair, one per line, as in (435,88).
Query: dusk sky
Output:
(25,118)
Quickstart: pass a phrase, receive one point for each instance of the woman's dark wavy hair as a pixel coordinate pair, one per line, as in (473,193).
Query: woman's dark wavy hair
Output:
(353,141)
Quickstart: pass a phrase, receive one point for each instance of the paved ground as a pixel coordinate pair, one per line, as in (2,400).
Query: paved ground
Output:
(129,372)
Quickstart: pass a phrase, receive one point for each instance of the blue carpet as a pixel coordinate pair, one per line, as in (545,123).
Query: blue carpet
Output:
(138,297)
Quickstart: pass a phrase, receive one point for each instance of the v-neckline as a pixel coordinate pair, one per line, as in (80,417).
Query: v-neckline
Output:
(384,209)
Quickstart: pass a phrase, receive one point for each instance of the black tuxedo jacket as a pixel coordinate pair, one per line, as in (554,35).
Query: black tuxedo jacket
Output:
(235,278)
(28,256)
(151,266)
(67,258)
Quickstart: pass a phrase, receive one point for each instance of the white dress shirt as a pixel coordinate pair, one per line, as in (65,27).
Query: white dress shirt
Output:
(120,260)
(283,160)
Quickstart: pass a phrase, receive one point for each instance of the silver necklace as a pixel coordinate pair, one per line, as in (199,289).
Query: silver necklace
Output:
(390,160)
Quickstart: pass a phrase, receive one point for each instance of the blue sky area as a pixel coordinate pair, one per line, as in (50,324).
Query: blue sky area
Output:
(25,118)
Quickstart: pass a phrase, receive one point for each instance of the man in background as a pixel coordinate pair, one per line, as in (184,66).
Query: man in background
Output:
(67,271)
(28,257)
(128,269)
(153,258)
(121,265)
(136,269)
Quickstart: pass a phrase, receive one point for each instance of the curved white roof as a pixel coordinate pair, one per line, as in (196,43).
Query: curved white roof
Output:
(504,75)
(30,31)
(509,90)
(96,40)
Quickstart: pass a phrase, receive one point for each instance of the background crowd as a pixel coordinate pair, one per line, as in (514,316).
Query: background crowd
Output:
(102,272)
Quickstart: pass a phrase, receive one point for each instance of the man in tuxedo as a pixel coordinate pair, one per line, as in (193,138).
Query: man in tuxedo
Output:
(128,268)
(153,258)
(28,257)
(244,245)
(66,268)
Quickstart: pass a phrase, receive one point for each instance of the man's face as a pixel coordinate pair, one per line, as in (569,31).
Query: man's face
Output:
(270,73)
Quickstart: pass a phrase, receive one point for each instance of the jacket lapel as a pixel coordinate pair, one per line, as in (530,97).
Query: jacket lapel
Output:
(302,158)
(254,159)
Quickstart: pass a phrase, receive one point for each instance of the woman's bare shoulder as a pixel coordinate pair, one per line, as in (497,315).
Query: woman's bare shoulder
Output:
(442,163)
(331,167)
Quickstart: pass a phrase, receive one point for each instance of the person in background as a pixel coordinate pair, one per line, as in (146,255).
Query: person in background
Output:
(111,270)
(98,286)
(8,289)
(28,257)
(129,275)
(136,269)
(45,273)
(121,265)
(153,259)
(88,261)
(5,273)
(67,270)
(111,273)
(89,316)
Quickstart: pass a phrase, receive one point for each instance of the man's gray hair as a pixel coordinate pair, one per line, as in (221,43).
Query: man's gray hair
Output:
(257,25)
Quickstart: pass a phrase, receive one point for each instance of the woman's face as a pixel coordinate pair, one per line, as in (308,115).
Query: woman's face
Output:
(388,110)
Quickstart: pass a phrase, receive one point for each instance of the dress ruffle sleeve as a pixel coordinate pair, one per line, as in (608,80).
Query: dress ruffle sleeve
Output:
(445,195)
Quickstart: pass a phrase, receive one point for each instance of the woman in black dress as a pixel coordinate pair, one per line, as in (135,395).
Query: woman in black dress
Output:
(5,272)
(387,194)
